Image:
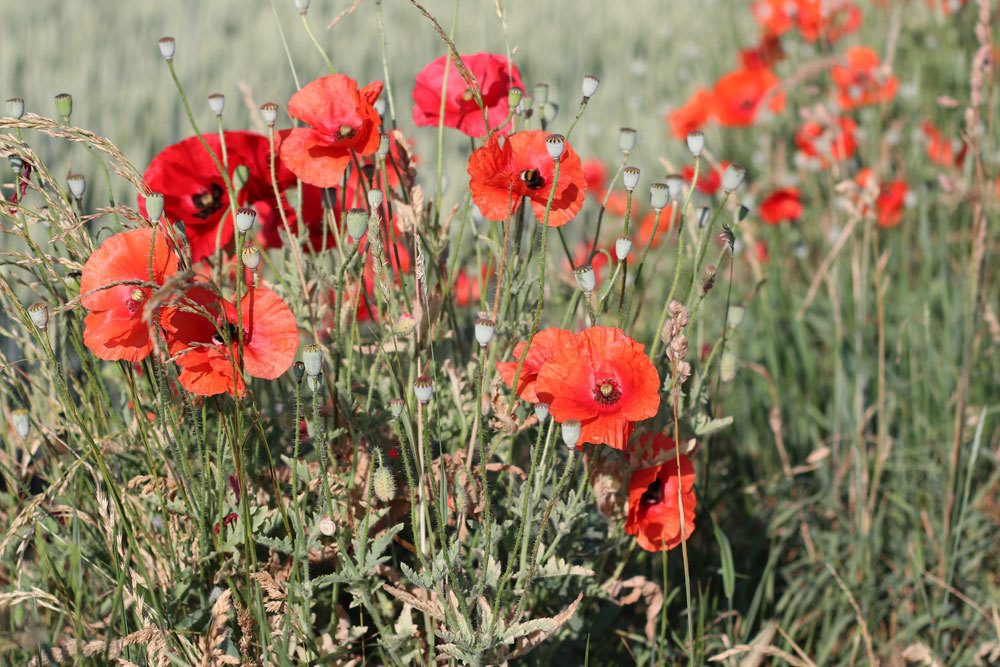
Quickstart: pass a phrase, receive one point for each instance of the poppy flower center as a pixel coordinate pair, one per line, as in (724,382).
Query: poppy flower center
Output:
(208,202)
(135,300)
(653,495)
(346,131)
(533,179)
(607,392)
(234,335)
(746,104)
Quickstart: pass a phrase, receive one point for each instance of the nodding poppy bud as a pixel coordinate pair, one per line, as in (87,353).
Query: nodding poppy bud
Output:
(675,182)
(357,222)
(396,406)
(241,175)
(154,206)
(461,500)
(21,421)
(586,279)
(630,177)
(217,102)
(64,106)
(570,433)
(326,527)
(167,48)
(541,93)
(302,6)
(423,387)
(703,212)
(541,411)
(555,144)
(590,84)
(77,185)
(732,178)
(550,111)
(404,325)
(727,366)
(659,195)
(696,143)
(379,106)
(736,315)
(269,110)
(251,257)
(623,248)
(375,198)
(484,331)
(384,485)
(15,107)
(514,96)
(742,213)
(627,138)
(39,313)
(383,147)
(245,218)
(312,357)
(298,371)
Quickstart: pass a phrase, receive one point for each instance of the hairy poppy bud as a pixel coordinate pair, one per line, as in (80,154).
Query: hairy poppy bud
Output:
(696,143)
(39,313)
(627,138)
(251,257)
(555,144)
(167,48)
(384,485)
(312,357)
(357,222)
(298,371)
(590,84)
(15,107)
(64,106)
(154,206)
(570,433)
(245,218)
(623,248)
(733,177)
(659,195)
(541,412)
(461,500)
(727,366)
(541,93)
(675,183)
(77,184)
(217,102)
(736,314)
(514,96)
(630,177)
(396,406)
(586,279)
(269,110)
(423,387)
(21,421)
(375,198)
(484,331)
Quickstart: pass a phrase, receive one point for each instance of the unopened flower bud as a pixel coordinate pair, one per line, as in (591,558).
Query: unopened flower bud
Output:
(590,84)
(39,313)
(384,485)
(379,106)
(742,213)
(269,110)
(461,500)
(154,206)
(15,107)
(623,248)
(217,102)
(167,48)
(659,195)
(627,138)
(630,177)
(733,177)
(736,315)
(64,106)
(484,331)
(396,406)
(696,143)
(357,222)
(298,371)
(251,257)
(375,197)
(570,433)
(541,93)
(514,96)
(312,357)
(555,144)
(302,6)
(241,176)
(245,218)
(77,184)
(423,387)
(727,366)
(675,183)
(541,411)
(326,526)
(586,279)
(404,325)
(21,421)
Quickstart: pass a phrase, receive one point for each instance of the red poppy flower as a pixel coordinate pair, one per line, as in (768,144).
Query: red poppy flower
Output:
(342,120)
(596,175)
(781,205)
(692,116)
(890,200)
(495,77)
(604,380)
(709,179)
(860,79)
(581,256)
(546,344)
(207,362)
(467,288)
(826,142)
(823,19)
(115,329)
(940,150)
(195,193)
(775,17)
(760,251)
(738,96)
(654,515)
(501,174)
(766,54)
(649,222)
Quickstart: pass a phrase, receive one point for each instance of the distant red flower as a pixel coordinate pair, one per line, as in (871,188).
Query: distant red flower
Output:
(693,116)
(195,193)
(860,79)
(940,150)
(114,329)
(546,344)
(209,365)
(581,256)
(342,120)
(780,206)
(495,77)
(738,96)
(826,20)
(604,380)
(890,200)
(948,7)
(763,56)
(775,17)
(596,175)
(647,224)
(617,204)
(501,174)
(709,179)
(654,513)
(760,251)
(827,142)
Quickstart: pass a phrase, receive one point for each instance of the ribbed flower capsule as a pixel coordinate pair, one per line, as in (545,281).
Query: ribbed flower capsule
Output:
(696,143)
(514,96)
(570,433)
(64,106)
(357,222)
(675,183)
(217,102)
(623,248)
(627,138)
(586,279)
(384,484)
(21,421)
(630,178)
(154,206)
(375,198)
(15,107)
(39,313)
(167,48)
(251,257)
(302,6)
(312,357)
(659,195)
(396,406)
(484,331)
(541,412)
(269,110)
(245,218)
(541,93)
(77,184)
(732,178)
(590,84)
(423,387)
(555,144)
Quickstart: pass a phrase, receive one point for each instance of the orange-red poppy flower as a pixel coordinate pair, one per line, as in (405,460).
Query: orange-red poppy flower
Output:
(823,19)
(780,206)
(596,175)
(605,381)
(546,344)
(827,142)
(342,120)
(115,328)
(648,224)
(940,150)
(654,508)
(860,79)
(709,178)
(197,327)
(766,54)
(890,200)
(739,95)
(693,116)
(506,169)
(775,17)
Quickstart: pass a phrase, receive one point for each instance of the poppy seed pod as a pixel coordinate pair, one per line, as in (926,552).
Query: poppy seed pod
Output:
(384,485)
(484,331)
(541,411)
(514,96)
(298,371)
(245,218)
(312,357)
(570,433)
(64,106)
(251,257)
(659,195)
(379,106)
(383,147)
(241,176)
(627,138)
(423,387)
(167,48)
(541,93)
(15,107)
(302,6)
(21,421)
(630,177)
(269,110)
(154,206)
(375,199)
(396,406)
(623,248)
(217,102)
(733,177)
(555,144)
(675,182)
(357,222)
(586,279)
(39,313)
(696,143)
(77,184)
(590,84)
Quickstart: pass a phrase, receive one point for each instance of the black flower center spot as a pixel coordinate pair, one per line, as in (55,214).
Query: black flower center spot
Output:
(747,104)
(653,494)
(234,335)
(208,202)
(533,179)
(607,392)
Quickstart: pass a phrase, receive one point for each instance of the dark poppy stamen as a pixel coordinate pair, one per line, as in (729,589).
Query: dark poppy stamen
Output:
(208,202)
(653,494)
(234,335)
(607,392)
(533,179)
